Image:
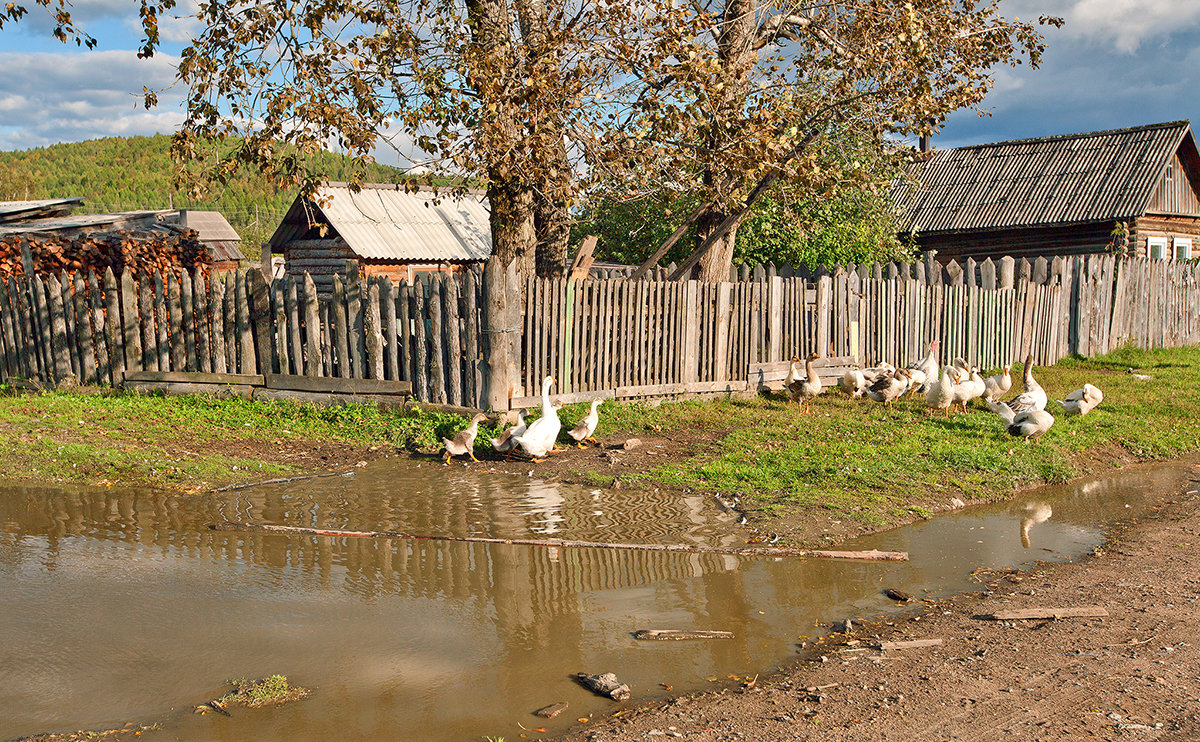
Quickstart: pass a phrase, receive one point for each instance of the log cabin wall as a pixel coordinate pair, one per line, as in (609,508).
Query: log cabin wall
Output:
(1168,227)
(1080,239)
(319,258)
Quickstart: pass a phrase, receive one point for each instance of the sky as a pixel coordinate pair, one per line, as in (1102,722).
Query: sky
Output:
(1115,63)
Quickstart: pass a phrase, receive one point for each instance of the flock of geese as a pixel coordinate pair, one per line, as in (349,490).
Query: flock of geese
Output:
(948,388)
(536,439)
(944,389)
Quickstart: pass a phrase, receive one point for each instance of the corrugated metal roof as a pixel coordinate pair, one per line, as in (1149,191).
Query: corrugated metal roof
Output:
(384,222)
(1068,179)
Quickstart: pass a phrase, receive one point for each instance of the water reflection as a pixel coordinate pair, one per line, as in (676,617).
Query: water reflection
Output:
(120,605)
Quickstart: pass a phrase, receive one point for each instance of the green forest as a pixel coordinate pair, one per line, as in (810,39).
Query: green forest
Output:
(130,173)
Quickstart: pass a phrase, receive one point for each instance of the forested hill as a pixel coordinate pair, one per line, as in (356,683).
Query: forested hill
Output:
(128,173)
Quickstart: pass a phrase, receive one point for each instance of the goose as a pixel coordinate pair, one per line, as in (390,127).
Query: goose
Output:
(888,388)
(793,374)
(1034,396)
(539,437)
(507,442)
(583,431)
(928,366)
(853,382)
(1082,401)
(940,394)
(874,373)
(997,386)
(804,389)
(1030,424)
(968,388)
(464,442)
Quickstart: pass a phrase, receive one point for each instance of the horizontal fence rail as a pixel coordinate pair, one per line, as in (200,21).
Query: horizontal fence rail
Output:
(485,337)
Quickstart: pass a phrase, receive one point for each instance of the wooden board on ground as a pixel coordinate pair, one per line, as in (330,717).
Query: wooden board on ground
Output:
(337,385)
(327,398)
(1087,611)
(910,644)
(219,391)
(193,377)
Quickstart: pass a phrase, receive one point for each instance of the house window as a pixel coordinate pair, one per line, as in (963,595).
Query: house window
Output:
(1182,248)
(1157,248)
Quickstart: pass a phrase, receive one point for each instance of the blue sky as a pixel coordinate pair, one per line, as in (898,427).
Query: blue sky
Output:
(1116,63)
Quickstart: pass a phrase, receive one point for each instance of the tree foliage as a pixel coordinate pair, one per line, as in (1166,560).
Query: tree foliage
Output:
(756,90)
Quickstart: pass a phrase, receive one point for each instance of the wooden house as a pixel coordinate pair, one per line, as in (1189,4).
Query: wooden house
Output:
(1133,191)
(387,229)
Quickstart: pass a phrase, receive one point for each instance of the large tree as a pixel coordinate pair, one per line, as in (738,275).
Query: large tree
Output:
(500,92)
(759,88)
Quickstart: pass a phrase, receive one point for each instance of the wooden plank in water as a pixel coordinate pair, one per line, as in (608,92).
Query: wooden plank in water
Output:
(674,635)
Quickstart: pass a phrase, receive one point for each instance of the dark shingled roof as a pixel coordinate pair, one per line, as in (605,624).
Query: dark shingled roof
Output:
(1069,179)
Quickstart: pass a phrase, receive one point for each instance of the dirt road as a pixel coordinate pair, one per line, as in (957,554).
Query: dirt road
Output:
(1130,676)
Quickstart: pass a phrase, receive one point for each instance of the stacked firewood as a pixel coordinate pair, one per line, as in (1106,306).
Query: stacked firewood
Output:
(142,252)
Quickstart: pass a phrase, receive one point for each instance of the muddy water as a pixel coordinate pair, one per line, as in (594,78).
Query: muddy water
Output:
(121,606)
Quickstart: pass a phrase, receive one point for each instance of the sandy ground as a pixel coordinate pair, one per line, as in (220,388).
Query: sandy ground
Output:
(1130,676)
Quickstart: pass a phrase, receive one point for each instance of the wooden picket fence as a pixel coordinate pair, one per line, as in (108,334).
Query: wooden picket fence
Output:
(611,337)
(484,338)
(95,328)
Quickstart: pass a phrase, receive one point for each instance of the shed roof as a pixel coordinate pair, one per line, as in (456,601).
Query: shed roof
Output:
(85,222)
(385,222)
(15,211)
(1059,180)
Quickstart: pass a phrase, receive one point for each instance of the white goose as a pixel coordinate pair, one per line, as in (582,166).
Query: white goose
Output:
(507,442)
(1082,401)
(583,431)
(539,437)
(998,385)
(1034,396)
(1031,424)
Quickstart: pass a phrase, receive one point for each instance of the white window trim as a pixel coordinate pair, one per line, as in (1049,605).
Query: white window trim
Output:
(1181,248)
(1162,244)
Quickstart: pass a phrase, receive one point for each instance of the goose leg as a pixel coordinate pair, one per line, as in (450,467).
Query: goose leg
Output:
(472,455)
(446,458)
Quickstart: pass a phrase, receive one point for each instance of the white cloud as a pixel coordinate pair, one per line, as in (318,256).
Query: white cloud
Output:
(71,96)
(1124,25)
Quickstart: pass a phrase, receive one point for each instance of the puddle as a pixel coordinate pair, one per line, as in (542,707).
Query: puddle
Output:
(121,606)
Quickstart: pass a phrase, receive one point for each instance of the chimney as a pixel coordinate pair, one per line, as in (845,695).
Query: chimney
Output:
(924,146)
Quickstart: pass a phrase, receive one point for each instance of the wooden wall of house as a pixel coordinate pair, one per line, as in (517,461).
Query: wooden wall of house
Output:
(320,258)
(1020,243)
(1175,193)
(1169,227)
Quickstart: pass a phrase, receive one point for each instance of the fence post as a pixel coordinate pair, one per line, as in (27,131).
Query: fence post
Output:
(824,296)
(495,319)
(691,328)
(933,271)
(774,319)
(1007,267)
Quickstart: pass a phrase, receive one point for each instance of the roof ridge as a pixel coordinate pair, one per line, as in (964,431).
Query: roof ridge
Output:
(1080,135)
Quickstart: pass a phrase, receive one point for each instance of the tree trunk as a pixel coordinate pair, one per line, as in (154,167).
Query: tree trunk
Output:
(715,264)
(514,234)
(553,223)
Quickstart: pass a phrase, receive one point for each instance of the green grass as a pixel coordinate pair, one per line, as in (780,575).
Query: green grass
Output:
(870,464)
(269,691)
(190,441)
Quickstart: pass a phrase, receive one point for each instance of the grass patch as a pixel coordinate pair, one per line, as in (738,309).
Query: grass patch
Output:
(269,691)
(194,442)
(858,460)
